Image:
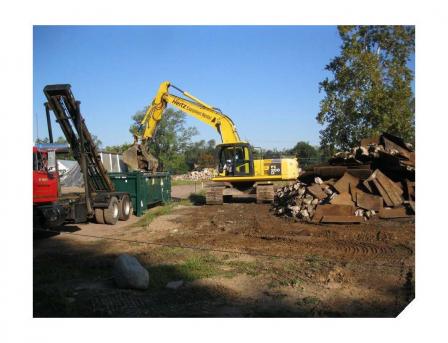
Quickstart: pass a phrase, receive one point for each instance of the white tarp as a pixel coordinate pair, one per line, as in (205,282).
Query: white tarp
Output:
(70,174)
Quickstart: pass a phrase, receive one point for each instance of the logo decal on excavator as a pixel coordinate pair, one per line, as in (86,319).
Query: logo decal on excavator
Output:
(188,108)
(273,167)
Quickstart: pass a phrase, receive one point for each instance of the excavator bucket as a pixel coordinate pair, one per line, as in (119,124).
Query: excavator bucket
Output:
(137,157)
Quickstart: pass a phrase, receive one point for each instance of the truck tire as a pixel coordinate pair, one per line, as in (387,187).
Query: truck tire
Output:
(111,213)
(125,208)
(99,215)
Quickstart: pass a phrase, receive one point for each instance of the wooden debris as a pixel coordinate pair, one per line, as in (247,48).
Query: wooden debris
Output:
(342,219)
(329,171)
(332,210)
(410,191)
(342,199)
(346,187)
(391,189)
(389,213)
(369,201)
(317,191)
(389,145)
(390,192)
(353,191)
(375,140)
(342,185)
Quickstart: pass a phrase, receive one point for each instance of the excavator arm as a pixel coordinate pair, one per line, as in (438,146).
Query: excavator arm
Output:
(192,106)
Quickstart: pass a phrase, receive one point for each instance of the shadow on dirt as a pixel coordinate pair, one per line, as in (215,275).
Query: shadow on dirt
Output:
(43,233)
(73,280)
(197,199)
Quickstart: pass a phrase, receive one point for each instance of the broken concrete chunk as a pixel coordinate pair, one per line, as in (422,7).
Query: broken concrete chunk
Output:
(328,191)
(370,213)
(318,180)
(359,212)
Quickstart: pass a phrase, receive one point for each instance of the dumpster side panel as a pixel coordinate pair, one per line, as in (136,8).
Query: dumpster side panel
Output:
(145,189)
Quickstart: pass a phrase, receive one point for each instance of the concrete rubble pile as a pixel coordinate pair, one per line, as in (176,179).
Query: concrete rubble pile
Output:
(360,194)
(201,175)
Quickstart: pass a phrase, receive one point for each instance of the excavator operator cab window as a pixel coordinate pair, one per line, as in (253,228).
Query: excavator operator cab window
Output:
(235,161)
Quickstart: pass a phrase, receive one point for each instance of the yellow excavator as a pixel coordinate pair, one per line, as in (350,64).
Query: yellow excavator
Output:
(237,168)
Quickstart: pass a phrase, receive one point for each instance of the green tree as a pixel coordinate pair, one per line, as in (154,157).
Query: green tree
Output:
(62,140)
(42,140)
(305,150)
(370,91)
(201,154)
(171,139)
(118,149)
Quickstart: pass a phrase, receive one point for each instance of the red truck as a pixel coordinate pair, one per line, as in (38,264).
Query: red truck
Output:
(46,189)
(99,200)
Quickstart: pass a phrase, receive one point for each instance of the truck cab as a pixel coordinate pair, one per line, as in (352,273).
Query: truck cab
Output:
(45,177)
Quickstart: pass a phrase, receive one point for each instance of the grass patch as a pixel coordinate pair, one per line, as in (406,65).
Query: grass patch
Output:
(248,268)
(315,260)
(193,268)
(153,213)
(310,301)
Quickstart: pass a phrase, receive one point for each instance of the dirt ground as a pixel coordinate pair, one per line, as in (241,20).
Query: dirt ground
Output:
(236,260)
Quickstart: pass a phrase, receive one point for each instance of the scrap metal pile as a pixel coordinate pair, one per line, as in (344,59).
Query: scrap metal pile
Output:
(374,180)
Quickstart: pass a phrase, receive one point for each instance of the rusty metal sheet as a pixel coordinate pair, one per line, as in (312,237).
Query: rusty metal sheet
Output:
(342,219)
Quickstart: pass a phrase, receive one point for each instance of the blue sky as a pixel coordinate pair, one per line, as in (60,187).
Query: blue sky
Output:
(265,78)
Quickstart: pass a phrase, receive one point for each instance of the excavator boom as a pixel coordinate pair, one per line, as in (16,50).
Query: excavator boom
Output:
(194,107)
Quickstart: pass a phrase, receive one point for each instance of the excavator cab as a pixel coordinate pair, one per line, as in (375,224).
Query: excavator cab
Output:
(235,159)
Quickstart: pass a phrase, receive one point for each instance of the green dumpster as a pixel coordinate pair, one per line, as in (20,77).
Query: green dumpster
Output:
(145,189)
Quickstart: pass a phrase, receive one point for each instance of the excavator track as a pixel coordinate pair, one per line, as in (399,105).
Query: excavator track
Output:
(214,195)
(265,193)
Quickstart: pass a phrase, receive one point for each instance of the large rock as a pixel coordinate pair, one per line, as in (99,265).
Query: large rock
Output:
(129,273)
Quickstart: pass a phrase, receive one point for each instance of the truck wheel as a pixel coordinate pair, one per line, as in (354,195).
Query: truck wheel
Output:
(125,208)
(111,213)
(99,215)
